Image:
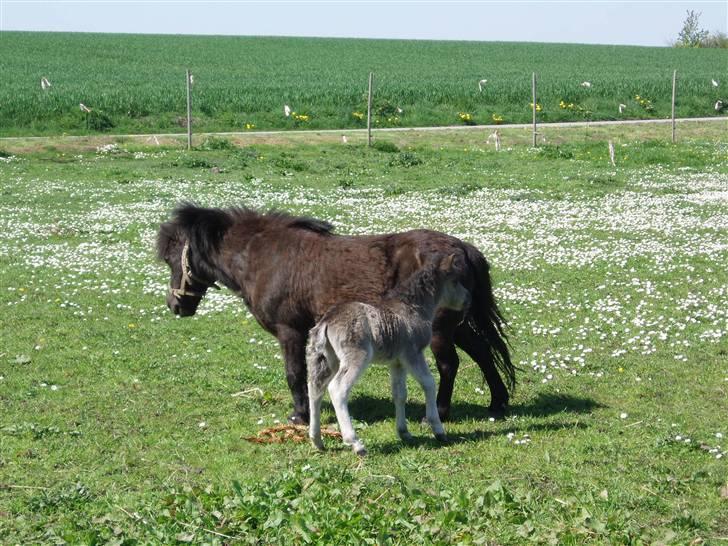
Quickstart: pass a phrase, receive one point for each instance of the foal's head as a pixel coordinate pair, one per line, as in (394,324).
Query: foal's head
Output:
(437,283)
(452,294)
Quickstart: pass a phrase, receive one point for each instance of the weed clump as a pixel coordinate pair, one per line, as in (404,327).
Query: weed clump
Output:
(99,121)
(385,146)
(551,151)
(461,189)
(191,162)
(217,143)
(406,159)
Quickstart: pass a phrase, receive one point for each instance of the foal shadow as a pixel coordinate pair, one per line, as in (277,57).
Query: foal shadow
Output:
(370,409)
(423,439)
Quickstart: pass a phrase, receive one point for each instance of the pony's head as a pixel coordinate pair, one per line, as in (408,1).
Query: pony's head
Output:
(186,244)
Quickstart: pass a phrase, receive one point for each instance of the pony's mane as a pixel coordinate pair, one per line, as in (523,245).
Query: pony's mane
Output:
(278,219)
(205,227)
(202,227)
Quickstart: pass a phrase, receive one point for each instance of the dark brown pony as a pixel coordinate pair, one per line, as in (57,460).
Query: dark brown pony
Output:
(290,270)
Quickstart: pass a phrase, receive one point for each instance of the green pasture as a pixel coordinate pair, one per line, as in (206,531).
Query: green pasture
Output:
(122,424)
(136,83)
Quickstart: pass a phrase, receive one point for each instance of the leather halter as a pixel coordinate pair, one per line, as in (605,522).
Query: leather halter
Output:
(188,276)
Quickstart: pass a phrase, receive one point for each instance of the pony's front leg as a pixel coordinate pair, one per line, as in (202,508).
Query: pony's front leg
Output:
(418,367)
(339,391)
(398,379)
(293,345)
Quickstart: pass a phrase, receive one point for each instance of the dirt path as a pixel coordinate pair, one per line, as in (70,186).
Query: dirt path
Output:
(465,135)
(380,130)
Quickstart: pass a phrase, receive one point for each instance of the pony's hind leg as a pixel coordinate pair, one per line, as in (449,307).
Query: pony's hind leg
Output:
(446,357)
(418,367)
(477,348)
(398,379)
(351,367)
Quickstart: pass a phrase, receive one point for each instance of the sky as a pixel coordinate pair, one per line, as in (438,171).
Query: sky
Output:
(650,23)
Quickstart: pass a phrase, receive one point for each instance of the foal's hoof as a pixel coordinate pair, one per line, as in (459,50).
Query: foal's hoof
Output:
(361,451)
(298,418)
(318,444)
(405,436)
(442,438)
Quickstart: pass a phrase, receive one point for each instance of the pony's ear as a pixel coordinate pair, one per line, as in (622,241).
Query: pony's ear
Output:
(446,263)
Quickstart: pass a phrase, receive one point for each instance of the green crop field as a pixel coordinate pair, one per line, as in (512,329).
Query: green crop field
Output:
(136,83)
(121,424)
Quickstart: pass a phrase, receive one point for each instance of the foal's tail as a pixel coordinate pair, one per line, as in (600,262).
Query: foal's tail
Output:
(486,319)
(318,358)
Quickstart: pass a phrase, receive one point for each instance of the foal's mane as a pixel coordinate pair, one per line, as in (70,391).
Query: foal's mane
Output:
(421,282)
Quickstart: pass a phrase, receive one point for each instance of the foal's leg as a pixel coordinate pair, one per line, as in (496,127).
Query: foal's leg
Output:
(319,376)
(351,366)
(477,348)
(293,345)
(314,426)
(421,372)
(398,379)
(446,357)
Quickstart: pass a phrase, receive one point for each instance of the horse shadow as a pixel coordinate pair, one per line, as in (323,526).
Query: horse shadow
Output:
(371,409)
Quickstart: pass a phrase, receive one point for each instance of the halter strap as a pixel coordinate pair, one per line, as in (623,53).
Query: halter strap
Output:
(188,276)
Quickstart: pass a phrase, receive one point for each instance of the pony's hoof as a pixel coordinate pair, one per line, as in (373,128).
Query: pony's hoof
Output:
(405,436)
(360,451)
(318,444)
(298,419)
(442,438)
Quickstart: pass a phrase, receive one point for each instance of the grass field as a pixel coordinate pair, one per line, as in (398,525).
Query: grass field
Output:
(123,425)
(136,83)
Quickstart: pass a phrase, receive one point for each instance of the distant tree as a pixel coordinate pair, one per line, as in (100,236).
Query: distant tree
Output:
(691,34)
(717,40)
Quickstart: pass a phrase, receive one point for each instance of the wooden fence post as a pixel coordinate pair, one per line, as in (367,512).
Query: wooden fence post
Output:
(369,110)
(674,86)
(533,89)
(189,112)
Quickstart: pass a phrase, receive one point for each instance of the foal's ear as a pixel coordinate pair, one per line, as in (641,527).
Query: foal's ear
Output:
(446,263)
(418,258)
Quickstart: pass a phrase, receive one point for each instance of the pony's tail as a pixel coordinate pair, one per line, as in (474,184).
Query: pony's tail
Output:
(486,319)
(318,358)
